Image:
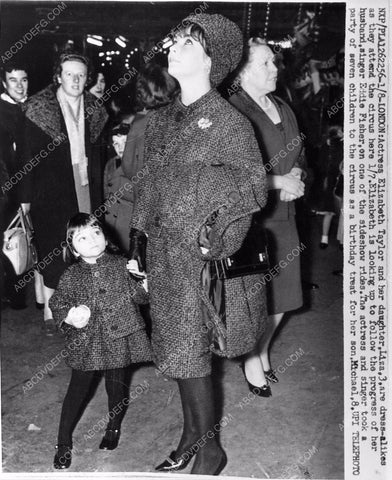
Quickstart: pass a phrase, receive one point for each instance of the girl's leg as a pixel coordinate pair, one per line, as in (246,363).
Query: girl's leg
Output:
(117,400)
(116,390)
(73,403)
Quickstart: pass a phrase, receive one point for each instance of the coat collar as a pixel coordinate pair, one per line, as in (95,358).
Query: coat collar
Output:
(44,111)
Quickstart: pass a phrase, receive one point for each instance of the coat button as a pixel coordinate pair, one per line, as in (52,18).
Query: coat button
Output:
(114,327)
(102,290)
(178,116)
(96,274)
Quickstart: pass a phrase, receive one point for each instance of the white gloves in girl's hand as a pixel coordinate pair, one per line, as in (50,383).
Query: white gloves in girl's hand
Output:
(79,316)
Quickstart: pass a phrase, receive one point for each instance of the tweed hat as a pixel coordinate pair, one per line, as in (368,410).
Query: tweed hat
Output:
(224,39)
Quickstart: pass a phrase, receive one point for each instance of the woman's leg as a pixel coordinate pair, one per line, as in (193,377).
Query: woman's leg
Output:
(73,403)
(48,292)
(210,458)
(253,369)
(199,435)
(326,226)
(265,341)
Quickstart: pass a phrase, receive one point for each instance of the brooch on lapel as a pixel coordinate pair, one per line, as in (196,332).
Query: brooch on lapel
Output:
(204,123)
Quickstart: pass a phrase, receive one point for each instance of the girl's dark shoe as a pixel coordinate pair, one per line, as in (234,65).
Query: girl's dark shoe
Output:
(270,376)
(63,457)
(174,463)
(221,466)
(263,391)
(110,440)
(39,306)
(323,245)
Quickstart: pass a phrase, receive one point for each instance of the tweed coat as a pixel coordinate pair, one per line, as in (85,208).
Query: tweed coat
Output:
(203,160)
(284,291)
(115,335)
(48,183)
(118,207)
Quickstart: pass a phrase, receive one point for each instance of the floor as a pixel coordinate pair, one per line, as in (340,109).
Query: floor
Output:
(296,433)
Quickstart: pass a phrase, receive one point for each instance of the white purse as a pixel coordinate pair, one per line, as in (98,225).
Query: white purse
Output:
(18,244)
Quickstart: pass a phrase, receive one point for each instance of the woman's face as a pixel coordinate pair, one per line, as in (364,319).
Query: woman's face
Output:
(99,88)
(187,58)
(73,77)
(119,142)
(261,72)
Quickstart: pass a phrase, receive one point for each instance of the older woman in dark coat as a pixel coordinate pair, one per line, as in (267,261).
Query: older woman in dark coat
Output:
(62,163)
(282,150)
(206,179)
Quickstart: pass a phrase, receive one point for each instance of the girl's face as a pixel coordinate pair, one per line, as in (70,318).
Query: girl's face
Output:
(89,243)
(187,58)
(261,72)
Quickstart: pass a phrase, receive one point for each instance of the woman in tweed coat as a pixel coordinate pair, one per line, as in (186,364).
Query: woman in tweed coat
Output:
(205,181)
(110,338)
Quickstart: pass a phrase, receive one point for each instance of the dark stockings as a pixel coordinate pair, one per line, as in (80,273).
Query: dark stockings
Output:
(78,394)
(199,418)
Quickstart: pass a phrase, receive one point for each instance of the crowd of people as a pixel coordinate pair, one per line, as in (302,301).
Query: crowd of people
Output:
(175,183)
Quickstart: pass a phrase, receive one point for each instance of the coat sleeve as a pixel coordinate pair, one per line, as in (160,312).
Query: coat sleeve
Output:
(241,158)
(63,300)
(139,295)
(145,186)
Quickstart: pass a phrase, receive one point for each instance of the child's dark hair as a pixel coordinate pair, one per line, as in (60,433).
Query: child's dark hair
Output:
(77,222)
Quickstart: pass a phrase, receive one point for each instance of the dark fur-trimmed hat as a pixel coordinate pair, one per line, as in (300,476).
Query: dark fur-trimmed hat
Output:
(225,43)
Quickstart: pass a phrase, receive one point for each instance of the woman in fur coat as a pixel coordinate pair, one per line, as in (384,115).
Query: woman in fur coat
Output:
(61,163)
(206,179)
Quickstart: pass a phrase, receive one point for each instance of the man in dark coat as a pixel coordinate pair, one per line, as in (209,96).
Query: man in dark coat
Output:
(14,79)
(61,166)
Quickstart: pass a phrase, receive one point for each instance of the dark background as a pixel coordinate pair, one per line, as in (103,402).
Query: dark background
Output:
(143,24)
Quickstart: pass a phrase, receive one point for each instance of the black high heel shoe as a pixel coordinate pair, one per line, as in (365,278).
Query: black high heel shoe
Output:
(172,463)
(270,376)
(264,391)
(110,440)
(63,457)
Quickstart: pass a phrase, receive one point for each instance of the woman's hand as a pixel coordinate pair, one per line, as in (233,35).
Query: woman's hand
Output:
(292,185)
(79,316)
(286,197)
(133,269)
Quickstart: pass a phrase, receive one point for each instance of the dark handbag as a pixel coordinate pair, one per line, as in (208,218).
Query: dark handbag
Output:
(250,259)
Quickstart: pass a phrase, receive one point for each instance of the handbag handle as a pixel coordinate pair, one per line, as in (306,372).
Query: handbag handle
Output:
(23,220)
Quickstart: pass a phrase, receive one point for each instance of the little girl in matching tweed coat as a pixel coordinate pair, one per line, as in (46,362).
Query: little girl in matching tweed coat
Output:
(94,305)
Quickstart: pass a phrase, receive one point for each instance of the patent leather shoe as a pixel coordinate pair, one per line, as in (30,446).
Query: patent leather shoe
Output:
(110,440)
(172,463)
(270,376)
(263,391)
(63,457)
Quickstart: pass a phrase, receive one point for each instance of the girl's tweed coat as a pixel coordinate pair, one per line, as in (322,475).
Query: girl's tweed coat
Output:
(203,159)
(115,335)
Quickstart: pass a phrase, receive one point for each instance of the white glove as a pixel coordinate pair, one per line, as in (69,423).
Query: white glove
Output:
(78,316)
